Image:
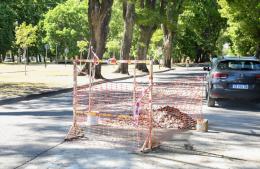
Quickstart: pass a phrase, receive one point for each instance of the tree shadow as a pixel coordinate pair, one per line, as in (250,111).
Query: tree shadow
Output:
(240,105)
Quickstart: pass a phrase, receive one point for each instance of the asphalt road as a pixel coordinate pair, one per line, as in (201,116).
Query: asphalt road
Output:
(34,128)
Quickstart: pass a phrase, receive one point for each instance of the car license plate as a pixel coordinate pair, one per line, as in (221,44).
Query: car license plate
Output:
(240,86)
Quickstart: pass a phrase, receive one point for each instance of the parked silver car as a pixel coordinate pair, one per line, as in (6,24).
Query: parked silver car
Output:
(234,78)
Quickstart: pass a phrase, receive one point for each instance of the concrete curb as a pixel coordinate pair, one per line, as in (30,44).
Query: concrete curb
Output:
(65,90)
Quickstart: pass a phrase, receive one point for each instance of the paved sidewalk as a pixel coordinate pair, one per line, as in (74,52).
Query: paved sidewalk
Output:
(209,153)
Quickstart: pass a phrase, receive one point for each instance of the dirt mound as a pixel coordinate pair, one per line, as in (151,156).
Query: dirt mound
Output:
(164,117)
(171,117)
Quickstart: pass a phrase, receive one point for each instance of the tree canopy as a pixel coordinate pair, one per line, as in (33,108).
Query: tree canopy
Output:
(7,26)
(243,24)
(199,27)
(25,35)
(66,24)
(158,29)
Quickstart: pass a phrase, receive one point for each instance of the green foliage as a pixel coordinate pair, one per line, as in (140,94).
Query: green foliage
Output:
(25,35)
(204,25)
(223,39)
(82,45)
(147,16)
(113,47)
(171,14)
(116,29)
(136,35)
(31,11)
(199,27)
(156,43)
(7,25)
(243,24)
(66,24)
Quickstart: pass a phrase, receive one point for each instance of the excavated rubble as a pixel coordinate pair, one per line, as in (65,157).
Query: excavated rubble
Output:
(164,117)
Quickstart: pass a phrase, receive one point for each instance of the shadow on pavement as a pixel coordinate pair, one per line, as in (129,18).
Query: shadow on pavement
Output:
(235,116)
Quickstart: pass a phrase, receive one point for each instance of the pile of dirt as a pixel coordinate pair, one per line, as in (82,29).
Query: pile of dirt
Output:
(171,117)
(164,117)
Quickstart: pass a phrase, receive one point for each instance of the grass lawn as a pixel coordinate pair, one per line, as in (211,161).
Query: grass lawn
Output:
(14,82)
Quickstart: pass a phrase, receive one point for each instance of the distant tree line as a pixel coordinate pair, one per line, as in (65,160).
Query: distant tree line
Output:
(168,30)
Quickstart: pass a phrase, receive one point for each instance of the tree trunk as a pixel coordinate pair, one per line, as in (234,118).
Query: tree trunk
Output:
(19,59)
(198,54)
(3,56)
(44,58)
(205,56)
(146,32)
(13,59)
(99,14)
(167,46)
(128,15)
(143,45)
(40,58)
(172,12)
(25,55)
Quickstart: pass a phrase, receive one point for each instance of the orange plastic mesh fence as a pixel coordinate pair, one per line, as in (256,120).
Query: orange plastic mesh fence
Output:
(119,112)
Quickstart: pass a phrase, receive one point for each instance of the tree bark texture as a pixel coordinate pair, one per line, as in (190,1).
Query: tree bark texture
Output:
(167,46)
(99,14)
(146,33)
(199,52)
(25,55)
(128,15)
(172,12)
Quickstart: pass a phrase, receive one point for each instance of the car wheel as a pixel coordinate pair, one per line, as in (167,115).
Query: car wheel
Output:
(211,101)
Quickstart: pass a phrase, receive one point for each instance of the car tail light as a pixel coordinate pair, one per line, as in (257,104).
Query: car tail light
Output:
(218,75)
(257,77)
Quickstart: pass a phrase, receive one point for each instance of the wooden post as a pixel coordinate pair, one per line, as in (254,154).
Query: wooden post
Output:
(202,125)
(90,86)
(151,104)
(134,89)
(74,92)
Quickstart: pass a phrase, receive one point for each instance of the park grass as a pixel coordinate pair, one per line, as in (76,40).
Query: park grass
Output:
(12,90)
(15,83)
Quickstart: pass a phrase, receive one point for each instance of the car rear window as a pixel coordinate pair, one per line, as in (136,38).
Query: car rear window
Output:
(238,65)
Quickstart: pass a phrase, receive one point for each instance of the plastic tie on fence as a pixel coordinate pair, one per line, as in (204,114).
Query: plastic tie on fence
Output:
(96,60)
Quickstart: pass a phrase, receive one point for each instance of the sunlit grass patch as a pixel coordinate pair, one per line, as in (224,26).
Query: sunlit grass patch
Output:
(11,90)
